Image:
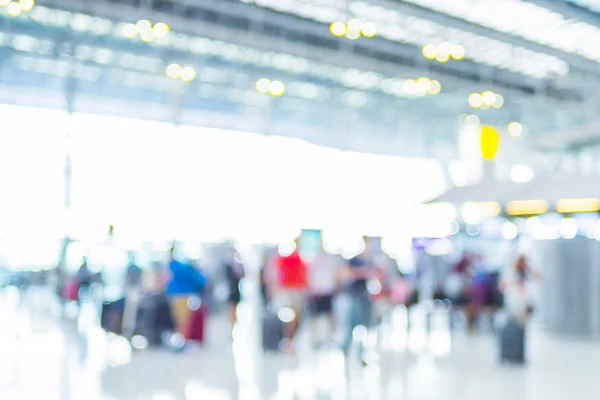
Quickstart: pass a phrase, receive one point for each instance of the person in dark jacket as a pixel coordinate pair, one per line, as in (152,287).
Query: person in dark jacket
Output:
(234,273)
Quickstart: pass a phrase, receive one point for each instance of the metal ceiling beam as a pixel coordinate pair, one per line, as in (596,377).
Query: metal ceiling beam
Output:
(569,10)
(345,55)
(578,62)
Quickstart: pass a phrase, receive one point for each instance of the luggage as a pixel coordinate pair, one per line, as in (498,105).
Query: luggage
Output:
(154,318)
(71,290)
(272,331)
(197,325)
(111,316)
(512,342)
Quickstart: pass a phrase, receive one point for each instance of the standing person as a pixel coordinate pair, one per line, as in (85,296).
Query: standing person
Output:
(517,296)
(185,282)
(133,292)
(290,291)
(234,273)
(360,308)
(324,276)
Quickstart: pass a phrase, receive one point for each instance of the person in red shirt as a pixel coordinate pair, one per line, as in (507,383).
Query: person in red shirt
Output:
(292,282)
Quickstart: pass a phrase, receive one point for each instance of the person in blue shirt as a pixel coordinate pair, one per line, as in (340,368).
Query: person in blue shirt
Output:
(186,281)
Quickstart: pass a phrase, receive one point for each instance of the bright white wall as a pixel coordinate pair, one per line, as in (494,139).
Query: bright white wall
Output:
(157,182)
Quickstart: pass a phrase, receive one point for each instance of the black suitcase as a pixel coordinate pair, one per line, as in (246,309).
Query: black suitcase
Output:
(512,342)
(154,318)
(111,316)
(273,329)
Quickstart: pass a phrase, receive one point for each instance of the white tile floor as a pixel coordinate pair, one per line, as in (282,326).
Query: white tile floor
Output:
(43,357)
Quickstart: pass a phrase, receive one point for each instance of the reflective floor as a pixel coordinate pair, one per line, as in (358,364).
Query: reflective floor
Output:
(45,356)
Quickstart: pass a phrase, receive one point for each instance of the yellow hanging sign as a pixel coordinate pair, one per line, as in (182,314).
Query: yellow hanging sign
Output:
(490,142)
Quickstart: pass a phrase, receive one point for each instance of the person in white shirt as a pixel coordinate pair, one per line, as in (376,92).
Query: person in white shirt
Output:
(324,277)
(515,286)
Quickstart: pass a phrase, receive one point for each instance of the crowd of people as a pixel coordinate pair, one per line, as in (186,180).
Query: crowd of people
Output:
(305,285)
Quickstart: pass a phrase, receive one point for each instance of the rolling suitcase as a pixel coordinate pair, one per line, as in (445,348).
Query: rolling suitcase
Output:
(111,316)
(272,331)
(512,342)
(197,325)
(154,318)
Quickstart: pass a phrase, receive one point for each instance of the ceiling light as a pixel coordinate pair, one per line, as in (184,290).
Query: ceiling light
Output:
(475,100)
(488,97)
(457,52)
(369,30)
(472,120)
(445,48)
(410,86)
(4,3)
(14,9)
(144,25)
(173,71)
(161,30)
(27,5)
(263,84)
(424,84)
(499,101)
(521,173)
(354,25)
(147,36)
(442,57)
(515,129)
(338,28)
(429,51)
(188,74)
(130,31)
(277,88)
(352,34)
(435,88)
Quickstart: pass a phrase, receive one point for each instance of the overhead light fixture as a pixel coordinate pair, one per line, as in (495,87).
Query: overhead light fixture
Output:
(567,206)
(277,88)
(352,34)
(515,129)
(161,30)
(422,86)
(429,51)
(486,100)
(443,52)
(526,207)
(173,71)
(188,74)
(424,83)
(353,29)
(369,30)
(338,28)
(263,84)
(5,3)
(475,100)
(14,9)
(144,25)
(499,101)
(435,88)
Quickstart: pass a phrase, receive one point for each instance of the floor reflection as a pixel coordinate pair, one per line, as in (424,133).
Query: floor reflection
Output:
(48,356)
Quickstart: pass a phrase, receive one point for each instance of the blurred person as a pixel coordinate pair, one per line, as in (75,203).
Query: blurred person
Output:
(515,286)
(84,276)
(458,288)
(324,278)
(234,273)
(133,292)
(359,271)
(185,281)
(290,290)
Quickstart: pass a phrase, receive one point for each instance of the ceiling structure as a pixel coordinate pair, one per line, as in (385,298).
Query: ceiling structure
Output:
(542,56)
